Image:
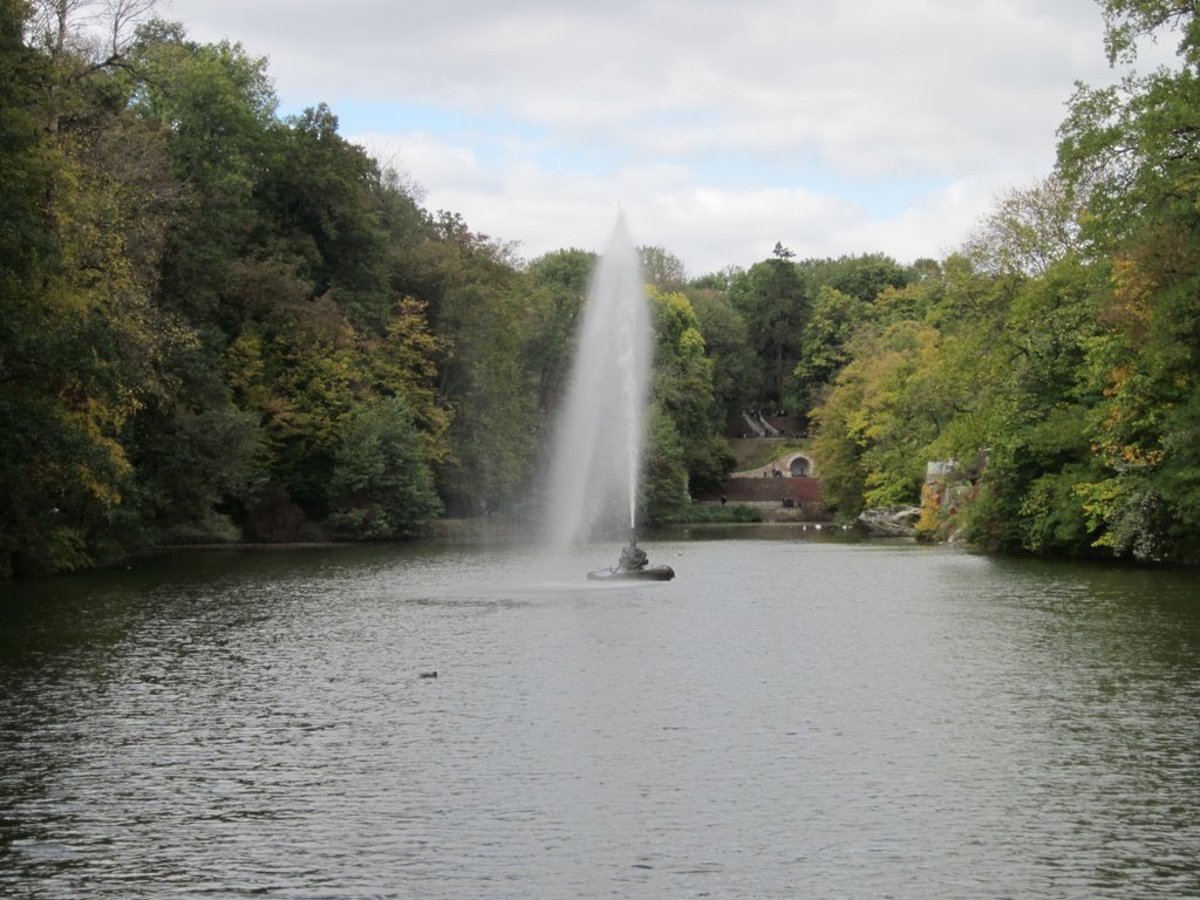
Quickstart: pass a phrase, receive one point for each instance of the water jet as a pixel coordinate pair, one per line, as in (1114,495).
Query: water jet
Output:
(599,442)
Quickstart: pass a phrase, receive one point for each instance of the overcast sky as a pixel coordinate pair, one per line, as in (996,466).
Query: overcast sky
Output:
(719,126)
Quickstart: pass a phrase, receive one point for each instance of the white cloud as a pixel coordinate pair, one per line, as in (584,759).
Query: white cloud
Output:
(709,227)
(720,126)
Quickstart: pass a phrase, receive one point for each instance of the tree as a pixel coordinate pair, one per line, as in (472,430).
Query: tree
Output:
(683,389)
(1028,231)
(479,306)
(665,479)
(823,349)
(99,29)
(82,344)
(840,442)
(1127,21)
(216,108)
(559,292)
(662,270)
(773,299)
(1032,411)
(321,195)
(63,25)
(1129,151)
(736,371)
(198,461)
(122,18)
(863,277)
(404,364)
(382,487)
(720,282)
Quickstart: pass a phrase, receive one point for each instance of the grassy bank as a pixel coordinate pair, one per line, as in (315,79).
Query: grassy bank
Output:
(754,453)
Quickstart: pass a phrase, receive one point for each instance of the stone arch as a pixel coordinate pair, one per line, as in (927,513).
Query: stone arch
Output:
(800,465)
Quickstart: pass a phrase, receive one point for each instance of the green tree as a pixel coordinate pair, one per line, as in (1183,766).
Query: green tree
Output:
(736,370)
(862,277)
(321,195)
(683,389)
(404,364)
(478,302)
(1029,230)
(382,487)
(840,442)
(198,461)
(665,478)
(217,108)
(559,291)
(82,345)
(823,349)
(1032,411)
(662,270)
(773,298)
(909,393)
(1129,152)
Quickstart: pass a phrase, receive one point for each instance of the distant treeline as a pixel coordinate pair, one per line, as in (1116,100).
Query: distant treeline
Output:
(221,324)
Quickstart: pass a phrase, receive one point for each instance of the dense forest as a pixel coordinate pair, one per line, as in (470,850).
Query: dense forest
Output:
(218,324)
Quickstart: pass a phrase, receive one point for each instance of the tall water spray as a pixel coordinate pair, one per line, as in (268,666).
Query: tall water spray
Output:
(601,431)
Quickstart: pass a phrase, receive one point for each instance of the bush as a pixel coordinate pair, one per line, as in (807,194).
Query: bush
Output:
(702,513)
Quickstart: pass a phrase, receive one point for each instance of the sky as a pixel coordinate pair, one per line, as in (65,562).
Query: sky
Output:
(719,127)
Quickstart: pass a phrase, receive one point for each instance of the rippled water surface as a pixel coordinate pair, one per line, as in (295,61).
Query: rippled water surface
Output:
(787,718)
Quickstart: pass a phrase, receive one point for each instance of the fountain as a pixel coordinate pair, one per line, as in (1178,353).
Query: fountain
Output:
(601,432)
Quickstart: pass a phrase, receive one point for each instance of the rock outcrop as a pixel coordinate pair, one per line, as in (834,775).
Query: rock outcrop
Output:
(890,521)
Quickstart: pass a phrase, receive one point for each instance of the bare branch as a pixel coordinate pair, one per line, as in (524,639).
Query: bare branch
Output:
(88,28)
(123,19)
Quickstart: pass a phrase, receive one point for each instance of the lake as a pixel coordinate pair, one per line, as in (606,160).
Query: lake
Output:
(794,715)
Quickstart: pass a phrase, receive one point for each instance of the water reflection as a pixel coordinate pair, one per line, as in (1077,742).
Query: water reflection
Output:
(789,717)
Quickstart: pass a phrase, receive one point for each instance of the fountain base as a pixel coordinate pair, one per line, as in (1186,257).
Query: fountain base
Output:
(650,573)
